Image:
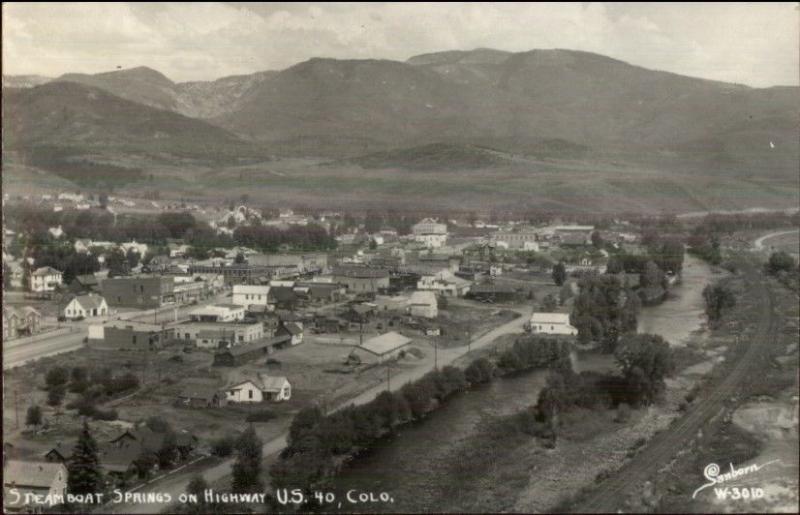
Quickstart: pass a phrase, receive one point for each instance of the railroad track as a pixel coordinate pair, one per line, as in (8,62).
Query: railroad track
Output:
(611,493)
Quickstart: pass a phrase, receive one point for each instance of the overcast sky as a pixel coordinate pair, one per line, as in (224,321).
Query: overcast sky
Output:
(754,44)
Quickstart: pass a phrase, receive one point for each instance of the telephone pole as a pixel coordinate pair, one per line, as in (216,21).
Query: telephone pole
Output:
(388,377)
(435,354)
(16,408)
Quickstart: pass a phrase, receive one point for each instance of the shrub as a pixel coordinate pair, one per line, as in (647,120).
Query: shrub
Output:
(57,376)
(623,413)
(264,415)
(479,371)
(223,447)
(56,395)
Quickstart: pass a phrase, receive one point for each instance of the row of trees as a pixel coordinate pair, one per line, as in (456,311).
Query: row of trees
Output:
(309,237)
(603,310)
(319,443)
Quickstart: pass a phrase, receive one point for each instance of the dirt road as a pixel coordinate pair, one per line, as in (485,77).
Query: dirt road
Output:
(611,493)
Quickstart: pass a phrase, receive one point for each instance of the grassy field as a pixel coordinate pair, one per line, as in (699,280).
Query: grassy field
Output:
(601,186)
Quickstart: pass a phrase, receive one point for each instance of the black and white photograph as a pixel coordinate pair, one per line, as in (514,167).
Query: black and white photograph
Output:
(391,257)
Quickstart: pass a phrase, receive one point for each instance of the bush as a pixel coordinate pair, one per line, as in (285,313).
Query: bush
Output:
(479,371)
(264,415)
(623,413)
(56,395)
(223,447)
(57,376)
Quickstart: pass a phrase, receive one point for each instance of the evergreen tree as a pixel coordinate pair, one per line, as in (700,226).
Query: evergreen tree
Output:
(559,274)
(247,468)
(84,467)
(34,416)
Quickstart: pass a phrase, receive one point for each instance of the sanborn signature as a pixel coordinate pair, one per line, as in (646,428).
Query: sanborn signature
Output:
(712,474)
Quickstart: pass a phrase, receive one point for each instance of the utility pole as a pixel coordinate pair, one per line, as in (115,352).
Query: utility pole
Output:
(435,354)
(388,377)
(16,408)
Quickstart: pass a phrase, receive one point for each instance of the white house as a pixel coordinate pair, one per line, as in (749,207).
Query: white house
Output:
(86,306)
(423,304)
(139,248)
(260,388)
(551,323)
(251,295)
(381,348)
(430,232)
(32,477)
(218,313)
(444,282)
(56,232)
(45,279)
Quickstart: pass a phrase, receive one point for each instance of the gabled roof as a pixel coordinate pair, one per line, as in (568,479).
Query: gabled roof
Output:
(550,318)
(425,297)
(293,328)
(87,280)
(239,350)
(89,301)
(38,474)
(385,343)
(199,389)
(46,270)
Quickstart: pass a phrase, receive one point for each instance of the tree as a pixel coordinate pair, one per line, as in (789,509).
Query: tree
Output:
(6,277)
(55,395)
(117,263)
(559,273)
(718,298)
(167,454)
(103,200)
(33,416)
(247,468)
(56,376)
(549,303)
(597,240)
(84,467)
(306,420)
(645,360)
(652,276)
(780,262)
(239,259)
(197,487)
(132,257)
(479,371)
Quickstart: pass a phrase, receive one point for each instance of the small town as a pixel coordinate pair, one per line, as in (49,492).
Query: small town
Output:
(400,258)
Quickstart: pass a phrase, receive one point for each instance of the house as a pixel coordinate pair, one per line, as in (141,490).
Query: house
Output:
(251,295)
(241,354)
(215,335)
(18,322)
(45,279)
(142,292)
(138,248)
(46,479)
(56,232)
(259,388)
(423,304)
(381,348)
(201,394)
(430,233)
(282,297)
(218,313)
(492,292)
(82,284)
(551,323)
(294,330)
(522,240)
(129,334)
(360,279)
(445,283)
(118,455)
(85,306)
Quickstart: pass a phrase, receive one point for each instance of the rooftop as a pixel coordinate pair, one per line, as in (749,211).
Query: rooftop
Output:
(385,343)
(31,473)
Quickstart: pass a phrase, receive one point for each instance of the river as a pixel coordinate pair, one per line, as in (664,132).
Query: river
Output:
(419,467)
(683,311)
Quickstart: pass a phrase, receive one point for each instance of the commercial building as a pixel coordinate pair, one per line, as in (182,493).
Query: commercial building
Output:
(143,292)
